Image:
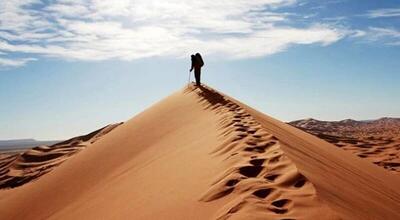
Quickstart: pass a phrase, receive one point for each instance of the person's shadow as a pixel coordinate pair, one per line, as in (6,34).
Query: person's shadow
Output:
(211,98)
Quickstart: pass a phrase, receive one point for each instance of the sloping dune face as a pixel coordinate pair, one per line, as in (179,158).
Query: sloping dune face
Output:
(21,168)
(353,187)
(200,155)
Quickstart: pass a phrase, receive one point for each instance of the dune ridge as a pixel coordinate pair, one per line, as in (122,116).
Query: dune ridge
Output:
(200,154)
(263,180)
(351,186)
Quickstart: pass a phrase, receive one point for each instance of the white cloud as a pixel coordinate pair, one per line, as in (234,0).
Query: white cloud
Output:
(384,12)
(388,36)
(385,36)
(357,33)
(14,62)
(68,10)
(273,40)
(133,29)
(15,17)
(384,32)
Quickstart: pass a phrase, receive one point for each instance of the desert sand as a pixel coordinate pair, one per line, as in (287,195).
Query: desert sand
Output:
(376,140)
(200,154)
(18,168)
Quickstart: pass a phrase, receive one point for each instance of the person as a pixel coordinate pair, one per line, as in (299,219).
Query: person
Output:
(197,63)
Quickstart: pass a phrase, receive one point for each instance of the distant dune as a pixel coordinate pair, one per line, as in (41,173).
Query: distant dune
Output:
(376,140)
(20,168)
(200,154)
(21,144)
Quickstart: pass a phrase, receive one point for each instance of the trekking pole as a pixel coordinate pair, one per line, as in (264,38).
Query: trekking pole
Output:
(189,78)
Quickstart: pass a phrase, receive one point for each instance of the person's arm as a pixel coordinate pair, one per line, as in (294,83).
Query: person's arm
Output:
(191,67)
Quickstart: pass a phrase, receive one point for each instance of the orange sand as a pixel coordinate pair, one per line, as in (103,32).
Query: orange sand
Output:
(376,140)
(199,154)
(17,169)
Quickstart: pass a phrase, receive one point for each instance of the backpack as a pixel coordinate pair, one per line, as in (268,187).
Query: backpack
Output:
(199,60)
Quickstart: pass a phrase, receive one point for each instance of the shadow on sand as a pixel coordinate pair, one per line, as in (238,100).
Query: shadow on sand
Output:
(209,97)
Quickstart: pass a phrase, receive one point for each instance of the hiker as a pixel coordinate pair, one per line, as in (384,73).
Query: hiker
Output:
(197,63)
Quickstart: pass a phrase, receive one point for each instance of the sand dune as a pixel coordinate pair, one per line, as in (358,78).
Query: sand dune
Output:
(21,168)
(376,140)
(19,145)
(199,154)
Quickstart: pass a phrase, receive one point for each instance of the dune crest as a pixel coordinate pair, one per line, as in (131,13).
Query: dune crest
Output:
(199,154)
(263,181)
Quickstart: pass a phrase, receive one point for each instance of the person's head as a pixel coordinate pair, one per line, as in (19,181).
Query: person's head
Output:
(192,56)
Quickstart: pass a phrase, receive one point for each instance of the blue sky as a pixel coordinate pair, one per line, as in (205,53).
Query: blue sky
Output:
(70,67)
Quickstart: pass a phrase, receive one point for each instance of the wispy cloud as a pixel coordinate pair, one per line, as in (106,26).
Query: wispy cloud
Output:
(384,12)
(388,36)
(318,5)
(14,62)
(128,30)
(382,35)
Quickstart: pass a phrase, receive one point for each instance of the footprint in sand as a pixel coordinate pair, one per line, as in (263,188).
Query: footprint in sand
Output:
(275,159)
(280,206)
(232,182)
(257,162)
(271,177)
(262,193)
(300,182)
(250,171)
(254,149)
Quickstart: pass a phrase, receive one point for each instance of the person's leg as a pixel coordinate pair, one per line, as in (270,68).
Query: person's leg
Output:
(197,76)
